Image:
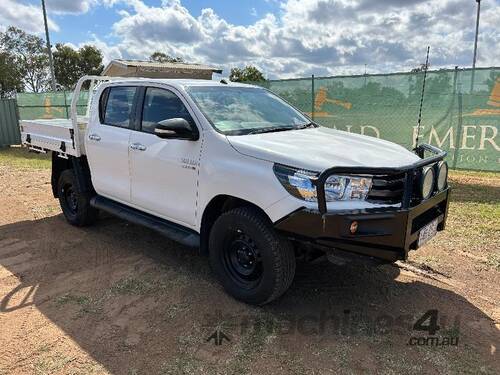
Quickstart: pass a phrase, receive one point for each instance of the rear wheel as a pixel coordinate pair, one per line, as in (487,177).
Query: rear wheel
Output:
(75,204)
(253,263)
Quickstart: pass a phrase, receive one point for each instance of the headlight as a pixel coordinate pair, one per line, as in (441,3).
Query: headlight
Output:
(344,188)
(427,182)
(442,179)
(297,182)
(301,184)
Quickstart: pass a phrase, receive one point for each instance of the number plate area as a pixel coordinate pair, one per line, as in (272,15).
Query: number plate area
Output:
(427,232)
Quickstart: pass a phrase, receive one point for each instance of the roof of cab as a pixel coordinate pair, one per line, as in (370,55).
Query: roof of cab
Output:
(182,83)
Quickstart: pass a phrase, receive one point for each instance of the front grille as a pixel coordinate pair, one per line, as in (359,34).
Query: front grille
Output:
(387,189)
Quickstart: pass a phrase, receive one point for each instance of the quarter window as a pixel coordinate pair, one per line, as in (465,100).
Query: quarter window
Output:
(159,105)
(119,103)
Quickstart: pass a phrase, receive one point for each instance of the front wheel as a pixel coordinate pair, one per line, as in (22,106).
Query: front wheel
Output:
(253,263)
(75,204)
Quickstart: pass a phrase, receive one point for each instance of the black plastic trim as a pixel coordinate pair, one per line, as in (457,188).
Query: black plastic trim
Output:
(72,135)
(171,230)
(82,172)
(103,102)
(137,126)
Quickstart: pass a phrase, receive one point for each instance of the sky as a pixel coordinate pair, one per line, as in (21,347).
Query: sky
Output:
(283,38)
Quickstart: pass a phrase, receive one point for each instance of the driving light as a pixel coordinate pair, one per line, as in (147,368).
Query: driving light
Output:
(442,179)
(427,182)
(301,184)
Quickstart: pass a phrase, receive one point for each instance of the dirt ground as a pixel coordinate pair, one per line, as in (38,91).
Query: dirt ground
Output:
(116,298)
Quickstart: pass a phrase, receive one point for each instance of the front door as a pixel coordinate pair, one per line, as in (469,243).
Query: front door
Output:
(107,143)
(164,172)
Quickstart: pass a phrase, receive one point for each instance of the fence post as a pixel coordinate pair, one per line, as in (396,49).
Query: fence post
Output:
(312,97)
(17,110)
(459,127)
(65,104)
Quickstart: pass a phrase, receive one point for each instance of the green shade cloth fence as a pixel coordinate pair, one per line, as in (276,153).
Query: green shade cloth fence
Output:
(9,129)
(461,119)
(49,104)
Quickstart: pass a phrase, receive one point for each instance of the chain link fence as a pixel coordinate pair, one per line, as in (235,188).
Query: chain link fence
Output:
(461,109)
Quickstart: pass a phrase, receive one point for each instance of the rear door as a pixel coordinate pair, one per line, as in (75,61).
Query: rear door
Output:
(107,142)
(164,172)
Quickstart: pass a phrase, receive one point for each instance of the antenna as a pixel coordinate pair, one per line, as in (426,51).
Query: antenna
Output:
(422,97)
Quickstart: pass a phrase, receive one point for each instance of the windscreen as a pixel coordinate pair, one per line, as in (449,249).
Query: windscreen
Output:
(246,110)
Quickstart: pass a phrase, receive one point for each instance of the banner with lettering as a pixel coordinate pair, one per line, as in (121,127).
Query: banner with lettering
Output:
(460,113)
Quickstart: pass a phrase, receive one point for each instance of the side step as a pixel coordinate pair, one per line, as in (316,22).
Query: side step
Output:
(171,230)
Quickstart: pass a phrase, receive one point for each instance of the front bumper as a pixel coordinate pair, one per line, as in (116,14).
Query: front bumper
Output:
(387,233)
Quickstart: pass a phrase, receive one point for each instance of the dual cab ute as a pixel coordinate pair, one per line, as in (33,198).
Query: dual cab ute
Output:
(236,171)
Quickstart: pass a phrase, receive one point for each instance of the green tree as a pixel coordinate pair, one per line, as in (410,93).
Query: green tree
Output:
(90,60)
(164,58)
(420,68)
(247,74)
(30,57)
(71,64)
(66,65)
(10,77)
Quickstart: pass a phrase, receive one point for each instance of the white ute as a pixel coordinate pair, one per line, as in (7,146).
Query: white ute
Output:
(241,174)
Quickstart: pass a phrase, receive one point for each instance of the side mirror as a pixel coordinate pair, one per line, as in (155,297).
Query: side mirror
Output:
(176,128)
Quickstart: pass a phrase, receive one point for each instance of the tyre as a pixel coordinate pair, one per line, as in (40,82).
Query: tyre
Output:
(252,262)
(75,204)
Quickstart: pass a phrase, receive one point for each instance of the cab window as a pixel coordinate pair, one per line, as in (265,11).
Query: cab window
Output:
(159,105)
(116,106)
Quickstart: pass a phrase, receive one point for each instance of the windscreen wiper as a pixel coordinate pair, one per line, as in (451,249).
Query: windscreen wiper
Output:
(305,126)
(272,129)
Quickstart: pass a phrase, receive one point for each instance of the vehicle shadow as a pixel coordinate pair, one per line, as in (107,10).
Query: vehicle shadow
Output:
(474,193)
(134,301)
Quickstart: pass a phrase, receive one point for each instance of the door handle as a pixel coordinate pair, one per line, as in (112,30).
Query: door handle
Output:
(94,137)
(138,147)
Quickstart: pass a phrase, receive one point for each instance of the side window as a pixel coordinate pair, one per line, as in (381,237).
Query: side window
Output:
(159,105)
(117,106)
(102,104)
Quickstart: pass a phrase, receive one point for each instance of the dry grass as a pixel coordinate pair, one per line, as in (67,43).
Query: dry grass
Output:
(20,157)
(475,211)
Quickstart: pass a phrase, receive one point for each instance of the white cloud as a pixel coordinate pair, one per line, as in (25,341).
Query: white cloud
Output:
(171,22)
(323,37)
(317,36)
(26,17)
(69,6)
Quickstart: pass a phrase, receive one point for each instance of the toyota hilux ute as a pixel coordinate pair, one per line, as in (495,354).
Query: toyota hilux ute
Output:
(238,172)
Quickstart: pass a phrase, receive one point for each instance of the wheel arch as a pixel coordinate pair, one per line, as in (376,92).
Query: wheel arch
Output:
(79,166)
(217,205)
